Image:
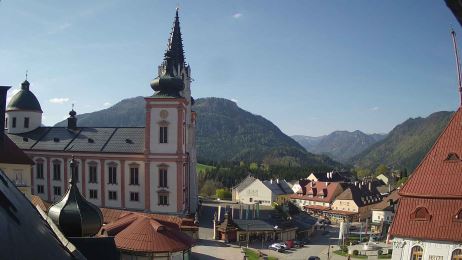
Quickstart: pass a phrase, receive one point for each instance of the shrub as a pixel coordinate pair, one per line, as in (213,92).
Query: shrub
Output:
(355,252)
(344,249)
(223,194)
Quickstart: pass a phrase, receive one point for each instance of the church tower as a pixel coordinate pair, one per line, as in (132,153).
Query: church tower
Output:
(23,113)
(170,134)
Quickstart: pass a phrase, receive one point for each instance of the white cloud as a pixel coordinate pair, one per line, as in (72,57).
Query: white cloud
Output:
(60,28)
(59,100)
(237,15)
(375,108)
(106,104)
(10,94)
(234,100)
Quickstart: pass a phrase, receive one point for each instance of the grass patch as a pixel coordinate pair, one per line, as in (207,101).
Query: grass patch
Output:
(340,252)
(385,256)
(201,168)
(253,255)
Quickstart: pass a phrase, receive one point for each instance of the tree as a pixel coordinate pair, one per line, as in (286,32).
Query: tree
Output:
(209,188)
(223,194)
(381,169)
(363,172)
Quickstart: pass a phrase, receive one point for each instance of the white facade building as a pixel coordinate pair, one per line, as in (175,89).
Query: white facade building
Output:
(151,168)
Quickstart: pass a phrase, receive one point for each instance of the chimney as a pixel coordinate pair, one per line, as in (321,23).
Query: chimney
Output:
(3,90)
(277,180)
(271,181)
(370,186)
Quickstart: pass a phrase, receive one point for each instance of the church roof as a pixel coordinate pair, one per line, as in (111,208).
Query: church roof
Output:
(24,100)
(83,139)
(431,202)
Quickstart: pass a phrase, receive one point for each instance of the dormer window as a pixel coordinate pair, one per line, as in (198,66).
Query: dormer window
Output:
(452,157)
(421,214)
(56,140)
(90,140)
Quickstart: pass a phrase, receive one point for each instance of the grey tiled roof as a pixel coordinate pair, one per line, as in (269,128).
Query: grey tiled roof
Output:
(278,187)
(84,139)
(244,183)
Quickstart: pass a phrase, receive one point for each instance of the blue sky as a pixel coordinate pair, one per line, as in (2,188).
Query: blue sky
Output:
(311,67)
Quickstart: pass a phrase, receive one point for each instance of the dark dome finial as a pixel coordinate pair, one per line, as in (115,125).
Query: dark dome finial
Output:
(73,214)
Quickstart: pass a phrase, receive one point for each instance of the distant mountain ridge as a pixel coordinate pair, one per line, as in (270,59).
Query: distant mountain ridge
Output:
(339,145)
(224,131)
(405,145)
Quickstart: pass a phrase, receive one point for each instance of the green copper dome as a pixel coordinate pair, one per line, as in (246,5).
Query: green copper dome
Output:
(24,100)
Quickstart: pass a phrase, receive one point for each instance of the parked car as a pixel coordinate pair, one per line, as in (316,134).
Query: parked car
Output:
(306,241)
(298,243)
(314,258)
(284,245)
(277,247)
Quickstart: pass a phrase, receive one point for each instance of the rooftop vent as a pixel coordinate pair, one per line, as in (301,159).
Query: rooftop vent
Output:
(128,141)
(90,140)
(25,139)
(56,140)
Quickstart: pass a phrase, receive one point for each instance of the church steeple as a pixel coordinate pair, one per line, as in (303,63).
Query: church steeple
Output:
(173,70)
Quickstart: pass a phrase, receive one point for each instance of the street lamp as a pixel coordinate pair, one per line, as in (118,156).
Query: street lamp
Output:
(275,228)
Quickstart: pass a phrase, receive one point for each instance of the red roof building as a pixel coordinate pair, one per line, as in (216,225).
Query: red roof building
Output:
(138,234)
(428,221)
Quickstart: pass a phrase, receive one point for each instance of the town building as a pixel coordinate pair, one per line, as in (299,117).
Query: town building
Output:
(332,176)
(13,161)
(252,190)
(151,168)
(318,196)
(384,212)
(354,203)
(428,220)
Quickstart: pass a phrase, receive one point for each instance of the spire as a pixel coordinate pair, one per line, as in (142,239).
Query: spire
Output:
(459,76)
(170,79)
(174,59)
(72,119)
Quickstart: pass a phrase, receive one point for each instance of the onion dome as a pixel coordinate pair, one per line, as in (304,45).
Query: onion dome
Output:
(73,214)
(170,80)
(24,100)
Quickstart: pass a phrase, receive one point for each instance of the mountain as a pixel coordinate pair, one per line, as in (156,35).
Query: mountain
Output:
(339,145)
(224,132)
(406,144)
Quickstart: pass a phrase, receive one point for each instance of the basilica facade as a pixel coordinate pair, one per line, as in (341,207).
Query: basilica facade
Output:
(151,168)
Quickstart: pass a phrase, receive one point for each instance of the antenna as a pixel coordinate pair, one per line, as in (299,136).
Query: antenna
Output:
(456,52)
(27,71)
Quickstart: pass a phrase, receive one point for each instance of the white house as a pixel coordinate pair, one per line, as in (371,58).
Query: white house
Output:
(252,190)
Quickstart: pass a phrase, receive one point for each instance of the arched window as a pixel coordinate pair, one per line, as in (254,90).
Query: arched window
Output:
(456,254)
(417,253)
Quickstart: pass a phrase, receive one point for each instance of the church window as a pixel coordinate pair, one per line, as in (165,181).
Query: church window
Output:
(163,134)
(163,199)
(76,171)
(13,123)
(112,195)
(134,176)
(113,174)
(417,253)
(57,191)
(456,254)
(56,171)
(134,196)
(93,174)
(163,177)
(93,194)
(39,170)
(40,189)
(26,122)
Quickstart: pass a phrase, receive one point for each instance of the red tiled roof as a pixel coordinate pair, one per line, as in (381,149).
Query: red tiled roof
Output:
(384,204)
(137,232)
(10,153)
(435,185)
(37,201)
(331,187)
